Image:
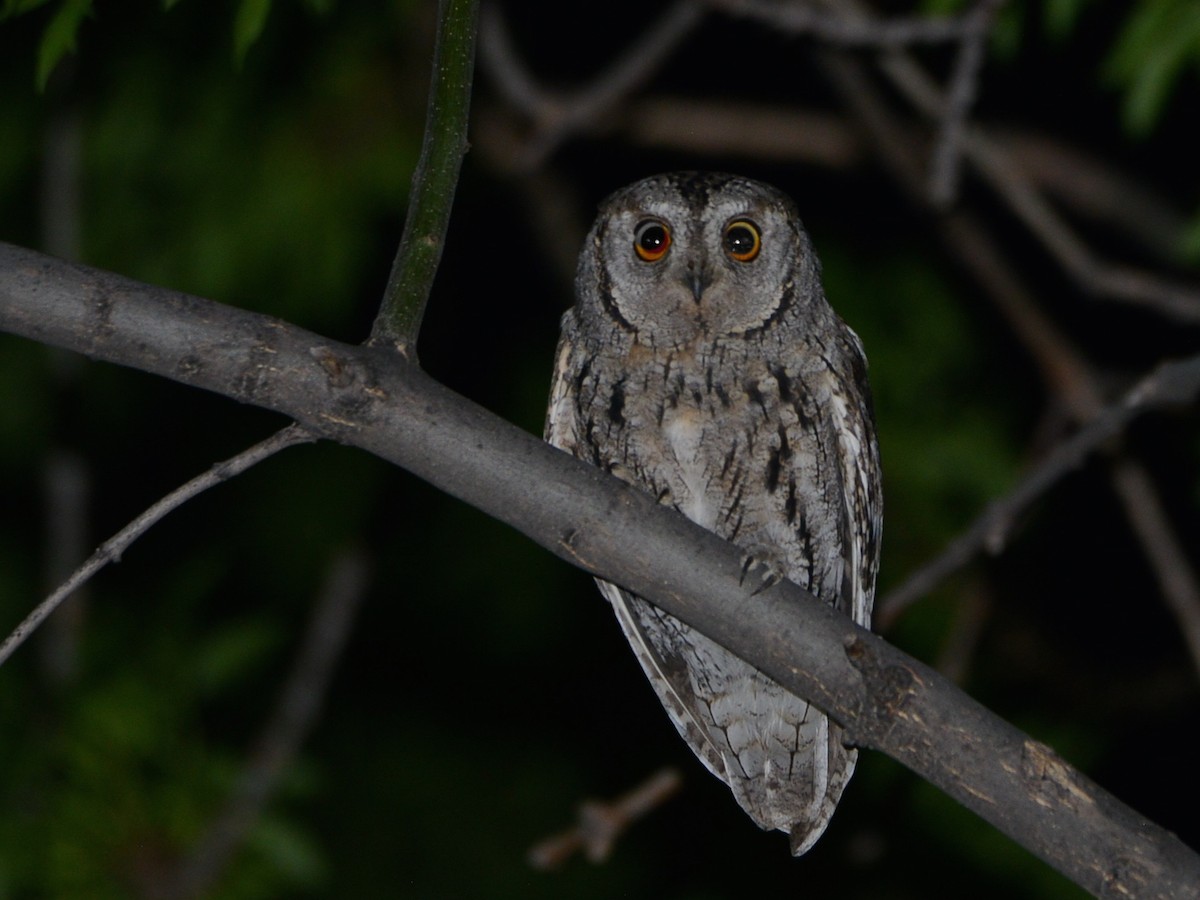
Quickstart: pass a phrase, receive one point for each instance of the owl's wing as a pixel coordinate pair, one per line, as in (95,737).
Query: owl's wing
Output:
(665,658)
(667,671)
(862,492)
(561,429)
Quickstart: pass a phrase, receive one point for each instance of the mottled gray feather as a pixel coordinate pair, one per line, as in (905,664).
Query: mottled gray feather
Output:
(744,405)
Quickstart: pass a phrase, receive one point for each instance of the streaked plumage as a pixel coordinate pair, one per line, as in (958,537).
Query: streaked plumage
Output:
(702,362)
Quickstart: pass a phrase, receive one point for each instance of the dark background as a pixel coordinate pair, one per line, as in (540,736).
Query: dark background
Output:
(486,689)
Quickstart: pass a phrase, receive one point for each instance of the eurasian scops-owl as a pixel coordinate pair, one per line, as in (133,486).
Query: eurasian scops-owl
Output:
(702,362)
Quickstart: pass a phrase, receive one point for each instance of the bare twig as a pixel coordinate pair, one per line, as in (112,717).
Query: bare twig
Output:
(971,613)
(1164,551)
(1096,189)
(111,550)
(507,70)
(601,824)
(1169,385)
(299,703)
(1071,175)
(558,117)
(1101,279)
(1063,368)
(740,128)
(964,85)
(861,30)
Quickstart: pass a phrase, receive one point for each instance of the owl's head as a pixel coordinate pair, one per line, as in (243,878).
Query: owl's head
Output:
(695,256)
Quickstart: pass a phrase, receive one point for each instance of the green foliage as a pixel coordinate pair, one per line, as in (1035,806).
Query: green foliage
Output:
(60,34)
(59,37)
(1160,41)
(333,155)
(248,24)
(264,185)
(118,782)
(1059,17)
(1154,45)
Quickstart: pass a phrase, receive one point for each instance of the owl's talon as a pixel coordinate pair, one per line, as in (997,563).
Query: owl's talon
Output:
(762,569)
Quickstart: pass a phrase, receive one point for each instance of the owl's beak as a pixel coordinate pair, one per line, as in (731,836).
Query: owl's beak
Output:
(698,280)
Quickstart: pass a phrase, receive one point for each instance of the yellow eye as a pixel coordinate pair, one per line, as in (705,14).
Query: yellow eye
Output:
(742,240)
(651,240)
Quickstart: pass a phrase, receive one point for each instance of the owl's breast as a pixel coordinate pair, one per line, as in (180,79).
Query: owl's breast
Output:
(683,432)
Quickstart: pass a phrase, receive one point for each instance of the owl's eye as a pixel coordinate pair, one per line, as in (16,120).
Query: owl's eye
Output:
(651,240)
(742,240)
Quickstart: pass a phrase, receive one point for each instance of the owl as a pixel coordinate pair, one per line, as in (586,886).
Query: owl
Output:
(702,363)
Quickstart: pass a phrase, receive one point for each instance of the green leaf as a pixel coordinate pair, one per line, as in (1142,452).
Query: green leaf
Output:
(228,655)
(942,7)
(59,37)
(248,26)
(1060,16)
(1159,40)
(289,848)
(1190,245)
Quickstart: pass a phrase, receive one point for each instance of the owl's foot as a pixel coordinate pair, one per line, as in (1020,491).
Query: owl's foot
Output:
(761,569)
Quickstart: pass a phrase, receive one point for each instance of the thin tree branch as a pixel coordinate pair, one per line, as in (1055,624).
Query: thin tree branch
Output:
(964,86)
(741,128)
(432,194)
(1164,551)
(1099,278)
(1063,368)
(1094,188)
(558,117)
(861,30)
(1171,384)
(111,550)
(602,823)
(299,703)
(371,399)
(970,614)
(1082,182)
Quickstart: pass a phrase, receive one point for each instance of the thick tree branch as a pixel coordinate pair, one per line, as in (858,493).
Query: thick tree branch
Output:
(367,397)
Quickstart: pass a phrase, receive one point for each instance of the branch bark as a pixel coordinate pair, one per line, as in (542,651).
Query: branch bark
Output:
(368,397)
(434,181)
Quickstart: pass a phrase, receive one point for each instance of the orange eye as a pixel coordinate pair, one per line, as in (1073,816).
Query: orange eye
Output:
(651,240)
(742,240)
